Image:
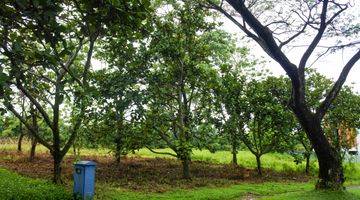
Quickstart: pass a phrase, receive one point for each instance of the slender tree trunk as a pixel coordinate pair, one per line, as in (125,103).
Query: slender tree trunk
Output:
(36,128)
(234,158)
(33,149)
(234,154)
(330,167)
(258,164)
(19,147)
(186,168)
(307,167)
(76,150)
(118,153)
(118,144)
(118,137)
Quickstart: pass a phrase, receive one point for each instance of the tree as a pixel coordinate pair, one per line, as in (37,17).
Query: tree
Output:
(232,99)
(118,91)
(341,117)
(181,77)
(341,121)
(274,29)
(53,42)
(269,122)
(119,99)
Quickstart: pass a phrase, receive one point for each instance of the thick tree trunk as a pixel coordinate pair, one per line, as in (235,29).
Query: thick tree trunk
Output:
(307,166)
(330,167)
(186,168)
(57,168)
(330,173)
(258,164)
(33,149)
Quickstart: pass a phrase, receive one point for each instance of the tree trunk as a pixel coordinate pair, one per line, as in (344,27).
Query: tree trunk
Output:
(234,158)
(118,148)
(307,167)
(186,168)
(118,137)
(118,154)
(76,151)
(57,168)
(258,164)
(33,149)
(19,145)
(36,128)
(330,173)
(234,146)
(330,167)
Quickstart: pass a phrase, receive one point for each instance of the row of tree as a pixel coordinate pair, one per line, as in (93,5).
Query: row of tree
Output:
(170,78)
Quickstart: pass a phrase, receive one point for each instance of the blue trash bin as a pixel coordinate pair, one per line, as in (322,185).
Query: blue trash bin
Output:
(84,179)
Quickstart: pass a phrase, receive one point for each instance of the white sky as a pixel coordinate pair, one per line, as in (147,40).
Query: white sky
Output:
(330,65)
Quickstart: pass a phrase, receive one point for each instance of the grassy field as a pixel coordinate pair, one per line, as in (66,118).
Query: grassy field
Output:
(12,184)
(274,161)
(264,191)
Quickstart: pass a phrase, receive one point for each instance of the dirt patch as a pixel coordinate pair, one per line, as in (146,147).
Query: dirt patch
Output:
(146,174)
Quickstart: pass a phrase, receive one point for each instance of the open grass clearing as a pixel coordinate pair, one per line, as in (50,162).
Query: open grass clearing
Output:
(14,186)
(145,175)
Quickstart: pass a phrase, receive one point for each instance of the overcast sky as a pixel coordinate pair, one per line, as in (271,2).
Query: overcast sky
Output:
(330,65)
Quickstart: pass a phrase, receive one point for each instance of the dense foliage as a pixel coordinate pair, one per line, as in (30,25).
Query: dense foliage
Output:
(126,75)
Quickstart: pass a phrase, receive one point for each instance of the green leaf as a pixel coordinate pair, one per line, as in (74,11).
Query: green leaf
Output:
(3,78)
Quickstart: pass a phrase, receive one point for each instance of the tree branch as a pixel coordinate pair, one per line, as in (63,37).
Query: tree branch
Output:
(10,107)
(269,43)
(231,18)
(324,106)
(35,102)
(314,42)
(163,153)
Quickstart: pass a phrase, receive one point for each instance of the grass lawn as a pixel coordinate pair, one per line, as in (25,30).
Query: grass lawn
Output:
(240,191)
(275,161)
(13,186)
